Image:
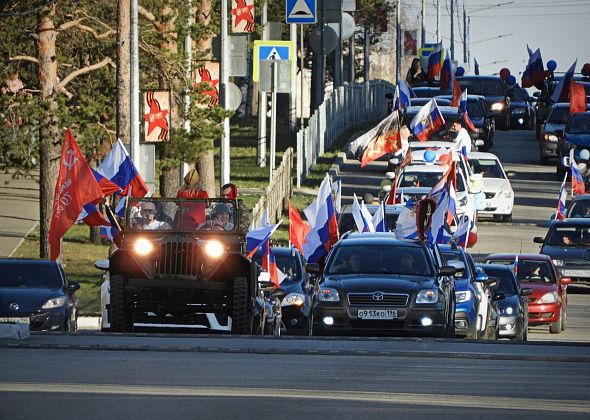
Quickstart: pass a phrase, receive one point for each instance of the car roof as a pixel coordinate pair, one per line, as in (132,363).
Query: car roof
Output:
(27,261)
(502,267)
(377,238)
(469,96)
(573,221)
(482,155)
(478,77)
(418,155)
(581,197)
(425,168)
(512,256)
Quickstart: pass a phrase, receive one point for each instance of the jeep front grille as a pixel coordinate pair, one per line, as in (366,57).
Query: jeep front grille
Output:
(177,259)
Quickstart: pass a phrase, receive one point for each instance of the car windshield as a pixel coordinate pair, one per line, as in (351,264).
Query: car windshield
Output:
(285,262)
(569,236)
(504,278)
(580,124)
(474,109)
(559,115)
(379,259)
(485,87)
(346,222)
(410,179)
(519,94)
(455,255)
(181,215)
(489,168)
(43,276)
(535,271)
(579,208)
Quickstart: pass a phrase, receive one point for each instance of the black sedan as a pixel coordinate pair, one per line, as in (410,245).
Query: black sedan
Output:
(551,132)
(374,284)
(36,292)
(495,91)
(522,111)
(511,302)
(295,289)
(576,136)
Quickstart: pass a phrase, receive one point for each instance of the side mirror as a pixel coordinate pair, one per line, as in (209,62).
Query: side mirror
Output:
(526,291)
(458,265)
(565,280)
(447,270)
(390,175)
(313,268)
(264,280)
(536,94)
(479,142)
(499,296)
(538,239)
(102,265)
(481,277)
(72,286)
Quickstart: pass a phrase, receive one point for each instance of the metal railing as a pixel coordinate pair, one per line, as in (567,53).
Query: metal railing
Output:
(348,106)
(277,193)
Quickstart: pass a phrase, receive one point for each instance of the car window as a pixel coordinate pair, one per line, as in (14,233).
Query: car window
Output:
(535,271)
(502,262)
(484,87)
(474,109)
(379,259)
(455,255)
(411,179)
(489,168)
(505,282)
(579,124)
(579,208)
(569,236)
(285,262)
(559,115)
(33,276)
(519,94)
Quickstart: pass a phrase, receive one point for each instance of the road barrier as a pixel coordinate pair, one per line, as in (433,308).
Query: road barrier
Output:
(348,106)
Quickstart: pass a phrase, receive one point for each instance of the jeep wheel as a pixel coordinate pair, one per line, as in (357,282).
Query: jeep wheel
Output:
(119,316)
(241,314)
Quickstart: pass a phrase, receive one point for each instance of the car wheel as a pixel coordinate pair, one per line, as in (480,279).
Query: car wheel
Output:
(241,317)
(525,333)
(119,314)
(73,321)
(555,328)
(507,218)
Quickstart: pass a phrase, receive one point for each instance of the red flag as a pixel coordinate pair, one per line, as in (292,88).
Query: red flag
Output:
(456,93)
(577,98)
(298,229)
(76,186)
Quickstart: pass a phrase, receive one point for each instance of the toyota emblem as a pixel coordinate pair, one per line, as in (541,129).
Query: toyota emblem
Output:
(377,296)
(14,306)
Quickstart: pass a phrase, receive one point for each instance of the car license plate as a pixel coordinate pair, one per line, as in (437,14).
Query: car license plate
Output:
(377,314)
(576,273)
(11,320)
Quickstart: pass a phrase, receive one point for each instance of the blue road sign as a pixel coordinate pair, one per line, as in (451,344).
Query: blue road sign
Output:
(272,52)
(301,11)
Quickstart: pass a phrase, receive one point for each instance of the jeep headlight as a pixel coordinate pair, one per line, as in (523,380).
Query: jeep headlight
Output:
(558,263)
(550,297)
(327,294)
(143,247)
(427,296)
(293,299)
(463,296)
(57,302)
(497,107)
(550,137)
(214,248)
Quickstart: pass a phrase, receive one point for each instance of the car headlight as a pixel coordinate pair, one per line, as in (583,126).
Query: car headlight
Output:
(461,297)
(427,296)
(143,246)
(57,302)
(551,137)
(550,297)
(214,248)
(558,263)
(328,294)
(506,193)
(498,106)
(295,299)
(509,310)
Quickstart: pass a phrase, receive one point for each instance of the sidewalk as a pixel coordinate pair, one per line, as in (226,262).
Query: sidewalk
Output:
(19,211)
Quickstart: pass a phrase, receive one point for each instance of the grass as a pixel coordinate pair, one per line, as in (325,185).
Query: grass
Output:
(78,253)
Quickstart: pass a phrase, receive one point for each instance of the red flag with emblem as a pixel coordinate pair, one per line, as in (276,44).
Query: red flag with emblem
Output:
(76,186)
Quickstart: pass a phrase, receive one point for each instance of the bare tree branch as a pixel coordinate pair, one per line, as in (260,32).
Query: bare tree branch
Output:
(24,58)
(150,17)
(78,24)
(106,61)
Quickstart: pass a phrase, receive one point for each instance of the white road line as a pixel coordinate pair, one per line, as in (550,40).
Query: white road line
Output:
(446,400)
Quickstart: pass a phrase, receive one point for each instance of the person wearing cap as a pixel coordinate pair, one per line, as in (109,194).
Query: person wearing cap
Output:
(220,219)
(147,218)
(191,187)
(230,191)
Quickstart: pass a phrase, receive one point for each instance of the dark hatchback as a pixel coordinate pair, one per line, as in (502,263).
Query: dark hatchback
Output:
(396,287)
(511,301)
(522,110)
(296,292)
(551,132)
(576,136)
(482,118)
(37,293)
(495,91)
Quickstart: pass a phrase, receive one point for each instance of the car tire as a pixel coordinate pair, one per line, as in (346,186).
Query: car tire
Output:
(241,316)
(73,321)
(555,328)
(507,218)
(449,331)
(119,315)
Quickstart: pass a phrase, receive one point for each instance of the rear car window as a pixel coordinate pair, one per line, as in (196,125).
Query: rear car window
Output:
(484,87)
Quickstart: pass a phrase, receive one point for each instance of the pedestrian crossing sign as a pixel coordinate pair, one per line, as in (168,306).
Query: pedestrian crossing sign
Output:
(301,11)
(272,50)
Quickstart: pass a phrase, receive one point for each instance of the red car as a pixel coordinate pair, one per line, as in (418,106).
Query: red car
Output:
(548,303)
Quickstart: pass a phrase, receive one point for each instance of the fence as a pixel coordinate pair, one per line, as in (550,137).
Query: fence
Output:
(348,106)
(278,191)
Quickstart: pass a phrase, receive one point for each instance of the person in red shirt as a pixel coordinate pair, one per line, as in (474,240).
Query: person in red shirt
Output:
(193,214)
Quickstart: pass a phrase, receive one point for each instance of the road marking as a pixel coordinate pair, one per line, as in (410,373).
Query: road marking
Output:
(447,400)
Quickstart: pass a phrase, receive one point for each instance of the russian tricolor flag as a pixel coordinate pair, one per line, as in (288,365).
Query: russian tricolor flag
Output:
(92,216)
(379,219)
(402,94)
(534,71)
(118,168)
(362,216)
(560,212)
(427,121)
(446,74)
(257,237)
(463,110)
(324,229)
(269,264)
(577,179)
(562,90)
(434,65)
(461,235)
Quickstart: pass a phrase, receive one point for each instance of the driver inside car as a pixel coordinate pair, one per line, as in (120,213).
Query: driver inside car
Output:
(220,219)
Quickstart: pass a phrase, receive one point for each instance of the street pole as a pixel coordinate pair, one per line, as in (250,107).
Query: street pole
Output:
(302,80)
(188,50)
(261,149)
(452,29)
(423,34)
(224,80)
(338,58)
(293,94)
(273,115)
(468,38)
(351,59)
(465,59)
(398,40)
(438,21)
(366,60)
(134,76)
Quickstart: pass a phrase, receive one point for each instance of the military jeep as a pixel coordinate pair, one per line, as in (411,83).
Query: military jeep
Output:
(182,263)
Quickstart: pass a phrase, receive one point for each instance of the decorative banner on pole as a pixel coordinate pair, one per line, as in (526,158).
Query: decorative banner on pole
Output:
(410,43)
(207,79)
(242,16)
(156,111)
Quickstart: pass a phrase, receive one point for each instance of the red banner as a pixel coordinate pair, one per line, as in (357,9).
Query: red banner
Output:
(76,186)
(577,98)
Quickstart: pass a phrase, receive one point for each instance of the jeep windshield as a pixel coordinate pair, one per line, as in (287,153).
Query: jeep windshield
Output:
(380,259)
(181,215)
